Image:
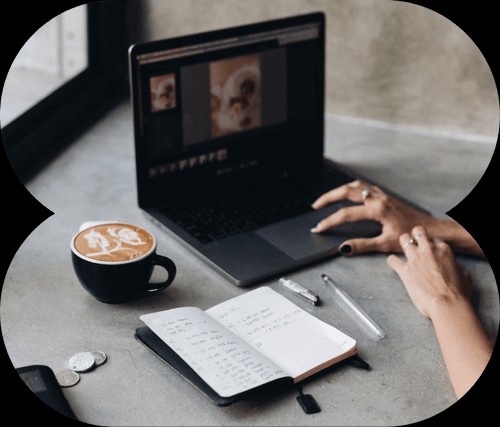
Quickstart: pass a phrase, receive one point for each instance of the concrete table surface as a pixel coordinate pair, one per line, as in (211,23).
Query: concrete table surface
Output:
(54,317)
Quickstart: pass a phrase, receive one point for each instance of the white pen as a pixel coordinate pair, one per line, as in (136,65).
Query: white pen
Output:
(349,305)
(299,290)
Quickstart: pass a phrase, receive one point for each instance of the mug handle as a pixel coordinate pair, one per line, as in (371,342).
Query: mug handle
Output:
(168,265)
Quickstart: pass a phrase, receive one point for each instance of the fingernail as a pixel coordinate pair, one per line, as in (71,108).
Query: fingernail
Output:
(346,249)
(314,205)
(316,228)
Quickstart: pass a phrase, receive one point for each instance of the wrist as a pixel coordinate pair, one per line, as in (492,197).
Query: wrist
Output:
(454,235)
(445,306)
(443,229)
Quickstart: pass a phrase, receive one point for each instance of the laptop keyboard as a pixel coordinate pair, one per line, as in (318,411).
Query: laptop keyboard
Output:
(225,215)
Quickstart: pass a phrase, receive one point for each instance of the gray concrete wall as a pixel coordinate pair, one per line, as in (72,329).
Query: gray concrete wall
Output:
(390,61)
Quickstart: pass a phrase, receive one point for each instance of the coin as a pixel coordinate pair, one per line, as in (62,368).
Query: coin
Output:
(67,378)
(81,362)
(99,356)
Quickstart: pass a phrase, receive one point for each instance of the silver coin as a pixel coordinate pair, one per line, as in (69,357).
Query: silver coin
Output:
(67,378)
(81,362)
(99,356)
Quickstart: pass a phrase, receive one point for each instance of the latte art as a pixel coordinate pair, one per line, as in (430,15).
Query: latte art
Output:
(114,242)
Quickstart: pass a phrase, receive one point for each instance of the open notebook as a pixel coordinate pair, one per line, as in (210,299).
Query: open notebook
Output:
(253,341)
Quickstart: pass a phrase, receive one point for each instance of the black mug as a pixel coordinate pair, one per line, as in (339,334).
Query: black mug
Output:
(114,261)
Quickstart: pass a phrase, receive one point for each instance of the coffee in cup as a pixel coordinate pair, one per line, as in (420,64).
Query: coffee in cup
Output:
(114,261)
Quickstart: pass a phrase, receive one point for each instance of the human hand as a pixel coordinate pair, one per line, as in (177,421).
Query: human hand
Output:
(394,216)
(430,274)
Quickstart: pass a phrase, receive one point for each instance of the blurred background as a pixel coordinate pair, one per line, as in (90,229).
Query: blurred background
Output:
(387,61)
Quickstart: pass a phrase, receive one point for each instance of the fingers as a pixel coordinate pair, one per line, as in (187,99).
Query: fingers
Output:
(408,244)
(418,239)
(396,263)
(362,246)
(335,195)
(442,246)
(343,215)
(356,191)
(421,237)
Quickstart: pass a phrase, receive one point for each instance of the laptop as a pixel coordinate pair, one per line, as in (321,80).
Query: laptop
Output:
(229,140)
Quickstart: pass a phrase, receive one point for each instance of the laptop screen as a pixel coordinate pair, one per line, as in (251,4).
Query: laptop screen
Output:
(218,108)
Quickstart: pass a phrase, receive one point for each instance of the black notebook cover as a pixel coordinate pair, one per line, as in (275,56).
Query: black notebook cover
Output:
(151,341)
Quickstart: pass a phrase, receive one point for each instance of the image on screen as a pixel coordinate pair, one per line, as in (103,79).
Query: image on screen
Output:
(162,92)
(235,94)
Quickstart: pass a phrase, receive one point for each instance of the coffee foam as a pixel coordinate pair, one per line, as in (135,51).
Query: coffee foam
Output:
(113,243)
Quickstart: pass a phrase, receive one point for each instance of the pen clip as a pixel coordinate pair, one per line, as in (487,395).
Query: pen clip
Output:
(306,294)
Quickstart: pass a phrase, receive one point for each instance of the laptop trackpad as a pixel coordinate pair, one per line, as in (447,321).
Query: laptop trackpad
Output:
(294,237)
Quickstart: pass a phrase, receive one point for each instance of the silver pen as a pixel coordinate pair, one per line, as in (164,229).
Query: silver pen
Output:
(347,303)
(299,290)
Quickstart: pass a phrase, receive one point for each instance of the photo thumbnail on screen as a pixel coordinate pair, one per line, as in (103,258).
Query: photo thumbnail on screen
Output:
(162,92)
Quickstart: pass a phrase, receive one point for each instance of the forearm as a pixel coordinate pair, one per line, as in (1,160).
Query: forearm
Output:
(455,235)
(464,343)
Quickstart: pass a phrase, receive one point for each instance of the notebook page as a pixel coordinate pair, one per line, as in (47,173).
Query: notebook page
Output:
(295,340)
(227,364)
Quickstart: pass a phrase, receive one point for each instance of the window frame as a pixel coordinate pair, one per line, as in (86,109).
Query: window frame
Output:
(37,135)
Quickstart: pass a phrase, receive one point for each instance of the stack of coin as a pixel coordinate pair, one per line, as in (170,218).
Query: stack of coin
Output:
(80,362)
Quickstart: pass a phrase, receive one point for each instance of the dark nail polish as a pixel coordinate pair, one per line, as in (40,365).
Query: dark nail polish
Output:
(346,249)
